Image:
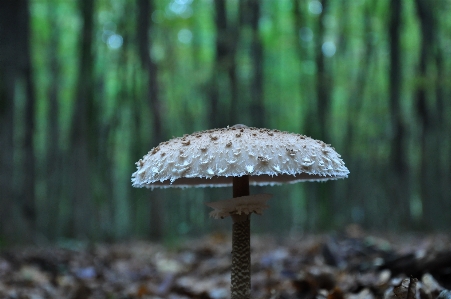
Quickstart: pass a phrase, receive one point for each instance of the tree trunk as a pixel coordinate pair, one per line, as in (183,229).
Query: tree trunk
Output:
(321,193)
(257,96)
(28,188)
(307,123)
(216,112)
(323,83)
(145,41)
(398,165)
(250,13)
(443,169)
(82,129)
(223,87)
(362,214)
(18,208)
(300,16)
(429,116)
(7,82)
(54,175)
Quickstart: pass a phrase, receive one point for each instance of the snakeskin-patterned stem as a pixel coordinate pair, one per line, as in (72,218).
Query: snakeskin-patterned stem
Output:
(241,260)
(241,245)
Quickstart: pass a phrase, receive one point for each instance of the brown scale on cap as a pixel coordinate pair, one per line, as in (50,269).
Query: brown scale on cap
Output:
(155,150)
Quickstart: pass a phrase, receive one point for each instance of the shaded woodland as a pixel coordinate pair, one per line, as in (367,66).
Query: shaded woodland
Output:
(88,87)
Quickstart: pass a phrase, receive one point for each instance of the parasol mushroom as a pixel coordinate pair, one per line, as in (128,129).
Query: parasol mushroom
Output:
(238,156)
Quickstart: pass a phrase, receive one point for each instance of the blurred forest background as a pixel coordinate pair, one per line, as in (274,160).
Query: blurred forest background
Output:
(88,87)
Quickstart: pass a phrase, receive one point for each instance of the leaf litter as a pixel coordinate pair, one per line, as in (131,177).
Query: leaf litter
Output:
(339,266)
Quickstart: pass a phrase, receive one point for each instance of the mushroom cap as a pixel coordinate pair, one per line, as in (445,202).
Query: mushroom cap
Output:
(212,158)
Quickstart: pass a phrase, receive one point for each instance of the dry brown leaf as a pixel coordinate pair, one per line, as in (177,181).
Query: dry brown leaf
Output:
(406,289)
(336,293)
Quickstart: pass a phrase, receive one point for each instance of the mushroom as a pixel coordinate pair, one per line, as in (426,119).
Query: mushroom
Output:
(238,156)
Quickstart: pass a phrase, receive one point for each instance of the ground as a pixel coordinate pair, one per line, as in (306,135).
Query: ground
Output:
(351,265)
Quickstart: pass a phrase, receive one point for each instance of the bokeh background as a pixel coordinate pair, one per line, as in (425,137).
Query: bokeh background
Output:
(88,87)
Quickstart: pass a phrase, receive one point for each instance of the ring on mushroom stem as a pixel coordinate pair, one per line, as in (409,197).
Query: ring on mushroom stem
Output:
(240,205)
(238,156)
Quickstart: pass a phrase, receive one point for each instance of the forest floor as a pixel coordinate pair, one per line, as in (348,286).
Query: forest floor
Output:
(351,265)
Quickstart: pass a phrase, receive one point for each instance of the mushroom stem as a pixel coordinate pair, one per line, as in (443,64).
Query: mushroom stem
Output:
(241,245)
(241,186)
